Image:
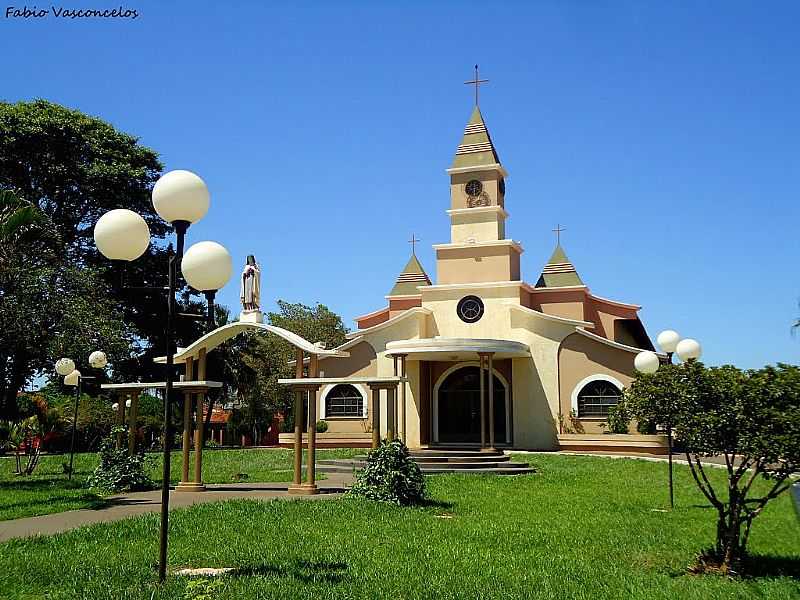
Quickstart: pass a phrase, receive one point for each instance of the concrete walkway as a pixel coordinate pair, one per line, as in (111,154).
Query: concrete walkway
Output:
(139,503)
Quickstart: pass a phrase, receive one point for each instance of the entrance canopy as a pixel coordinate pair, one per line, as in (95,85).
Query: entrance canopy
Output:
(456,349)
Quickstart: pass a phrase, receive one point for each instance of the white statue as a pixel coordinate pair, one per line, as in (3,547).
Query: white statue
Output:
(250,291)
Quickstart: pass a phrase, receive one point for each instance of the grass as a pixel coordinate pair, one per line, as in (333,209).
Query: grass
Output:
(580,528)
(48,490)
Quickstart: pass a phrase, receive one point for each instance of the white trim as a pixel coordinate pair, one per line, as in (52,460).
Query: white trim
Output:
(586,380)
(478,210)
(472,286)
(462,246)
(510,348)
(404,296)
(615,302)
(613,344)
(324,395)
(537,313)
(562,288)
(374,313)
(389,322)
(453,369)
(493,167)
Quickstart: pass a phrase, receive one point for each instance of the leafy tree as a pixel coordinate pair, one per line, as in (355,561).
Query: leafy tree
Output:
(258,361)
(58,295)
(750,418)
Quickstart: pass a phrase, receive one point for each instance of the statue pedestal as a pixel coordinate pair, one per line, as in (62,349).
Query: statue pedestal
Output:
(251,316)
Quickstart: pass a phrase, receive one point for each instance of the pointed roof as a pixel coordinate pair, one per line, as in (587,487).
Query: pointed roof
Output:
(559,271)
(476,148)
(412,275)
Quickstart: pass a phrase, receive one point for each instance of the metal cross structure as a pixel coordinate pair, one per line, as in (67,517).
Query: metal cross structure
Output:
(413,241)
(476,82)
(558,231)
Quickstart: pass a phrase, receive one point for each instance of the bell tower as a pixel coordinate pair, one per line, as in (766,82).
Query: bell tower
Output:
(478,251)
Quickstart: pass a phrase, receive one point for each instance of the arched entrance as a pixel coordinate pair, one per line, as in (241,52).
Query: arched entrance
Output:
(457,417)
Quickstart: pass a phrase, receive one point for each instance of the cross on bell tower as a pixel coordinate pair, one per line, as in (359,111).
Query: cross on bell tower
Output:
(558,231)
(476,81)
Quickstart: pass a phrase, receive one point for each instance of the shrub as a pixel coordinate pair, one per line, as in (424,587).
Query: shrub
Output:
(390,476)
(322,426)
(618,419)
(117,471)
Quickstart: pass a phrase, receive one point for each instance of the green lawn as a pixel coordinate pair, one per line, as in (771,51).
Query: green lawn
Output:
(580,528)
(49,491)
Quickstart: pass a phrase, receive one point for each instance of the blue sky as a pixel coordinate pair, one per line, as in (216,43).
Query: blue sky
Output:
(664,137)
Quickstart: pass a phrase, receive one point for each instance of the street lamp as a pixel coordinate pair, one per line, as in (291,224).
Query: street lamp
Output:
(73,377)
(648,362)
(180,198)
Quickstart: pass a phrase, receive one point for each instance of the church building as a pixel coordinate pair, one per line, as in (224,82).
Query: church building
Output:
(559,355)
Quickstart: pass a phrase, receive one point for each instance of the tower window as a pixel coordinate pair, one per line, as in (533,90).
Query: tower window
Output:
(596,398)
(344,400)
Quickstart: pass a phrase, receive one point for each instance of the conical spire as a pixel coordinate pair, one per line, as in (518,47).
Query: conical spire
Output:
(476,148)
(413,275)
(559,271)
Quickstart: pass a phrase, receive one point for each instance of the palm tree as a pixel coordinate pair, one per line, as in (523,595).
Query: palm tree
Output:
(20,221)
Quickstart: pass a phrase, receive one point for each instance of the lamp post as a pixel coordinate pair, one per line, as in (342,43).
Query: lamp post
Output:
(180,198)
(66,368)
(648,362)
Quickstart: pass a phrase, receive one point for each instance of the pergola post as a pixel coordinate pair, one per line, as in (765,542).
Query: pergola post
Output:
(491,403)
(187,437)
(391,423)
(403,407)
(376,416)
(297,480)
(187,424)
(310,486)
(121,416)
(482,357)
(198,432)
(132,416)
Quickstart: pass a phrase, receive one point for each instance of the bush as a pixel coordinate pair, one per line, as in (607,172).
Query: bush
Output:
(390,476)
(322,426)
(618,419)
(117,471)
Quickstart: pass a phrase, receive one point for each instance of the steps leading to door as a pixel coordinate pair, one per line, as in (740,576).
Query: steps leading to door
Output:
(441,461)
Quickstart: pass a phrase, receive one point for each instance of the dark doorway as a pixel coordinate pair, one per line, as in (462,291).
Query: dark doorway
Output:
(459,410)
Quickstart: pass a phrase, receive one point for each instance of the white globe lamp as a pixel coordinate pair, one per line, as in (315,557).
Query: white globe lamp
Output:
(689,349)
(72,378)
(97,359)
(207,266)
(115,406)
(65,366)
(668,340)
(121,234)
(181,196)
(646,362)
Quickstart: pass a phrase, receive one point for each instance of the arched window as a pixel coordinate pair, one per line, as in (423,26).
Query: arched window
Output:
(344,400)
(596,397)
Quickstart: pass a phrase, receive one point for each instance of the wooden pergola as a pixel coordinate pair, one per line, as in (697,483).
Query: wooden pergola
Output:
(197,388)
(311,383)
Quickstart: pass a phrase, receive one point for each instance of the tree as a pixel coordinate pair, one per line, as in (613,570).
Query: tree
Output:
(750,418)
(71,168)
(48,307)
(263,359)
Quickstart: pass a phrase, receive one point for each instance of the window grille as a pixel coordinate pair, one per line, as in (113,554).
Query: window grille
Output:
(596,398)
(344,400)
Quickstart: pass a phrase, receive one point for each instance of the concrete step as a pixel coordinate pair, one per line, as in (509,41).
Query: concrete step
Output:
(428,466)
(461,459)
(507,469)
